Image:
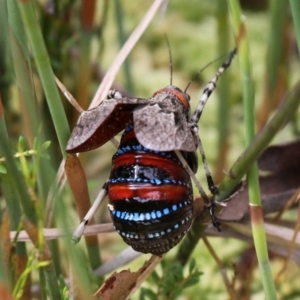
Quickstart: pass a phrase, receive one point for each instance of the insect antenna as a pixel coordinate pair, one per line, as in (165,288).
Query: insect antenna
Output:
(201,70)
(170,58)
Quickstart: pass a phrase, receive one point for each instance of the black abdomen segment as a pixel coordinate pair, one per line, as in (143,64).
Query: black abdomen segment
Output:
(150,197)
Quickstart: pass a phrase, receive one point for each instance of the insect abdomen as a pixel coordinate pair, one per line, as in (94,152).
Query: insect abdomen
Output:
(150,196)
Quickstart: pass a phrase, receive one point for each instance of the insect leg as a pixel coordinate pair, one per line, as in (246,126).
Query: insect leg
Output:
(194,178)
(210,87)
(210,182)
(80,229)
(210,205)
(214,219)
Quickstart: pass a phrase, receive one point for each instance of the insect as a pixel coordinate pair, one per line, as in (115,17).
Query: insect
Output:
(149,188)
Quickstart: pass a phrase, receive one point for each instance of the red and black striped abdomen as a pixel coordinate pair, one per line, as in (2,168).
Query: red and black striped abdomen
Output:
(150,196)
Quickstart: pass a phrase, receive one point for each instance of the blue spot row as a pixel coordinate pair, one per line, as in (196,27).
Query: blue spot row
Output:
(128,235)
(136,216)
(132,148)
(175,227)
(145,180)
(155,234)
(158,234)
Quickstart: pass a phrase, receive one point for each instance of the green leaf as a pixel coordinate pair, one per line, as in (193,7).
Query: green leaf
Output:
(46,145)
(192,280)
(147,294)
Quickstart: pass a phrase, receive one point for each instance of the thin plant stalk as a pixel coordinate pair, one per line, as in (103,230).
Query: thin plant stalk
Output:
(278,18)
(257,221)
(223,91)
(276,82)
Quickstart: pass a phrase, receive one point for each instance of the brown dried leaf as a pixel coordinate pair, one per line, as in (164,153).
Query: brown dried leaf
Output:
(77,181)
(121,285)
(283,161)
(281,158)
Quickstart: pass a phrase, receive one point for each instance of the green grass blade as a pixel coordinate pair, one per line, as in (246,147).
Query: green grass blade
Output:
(223,91)
(5,74)
(45,71)
(18,181)
(122,39)
(295,8)
(278,18)
(259,235)
(31,109)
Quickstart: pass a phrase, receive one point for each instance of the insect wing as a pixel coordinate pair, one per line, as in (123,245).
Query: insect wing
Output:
(162,126)
(98,125)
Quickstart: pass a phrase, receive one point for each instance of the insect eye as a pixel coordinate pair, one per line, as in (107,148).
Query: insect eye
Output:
(114,94)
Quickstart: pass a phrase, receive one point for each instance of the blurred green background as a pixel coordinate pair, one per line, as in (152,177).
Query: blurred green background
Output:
(82,39)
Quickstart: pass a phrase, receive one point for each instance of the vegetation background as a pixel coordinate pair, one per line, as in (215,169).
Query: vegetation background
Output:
(81,39)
